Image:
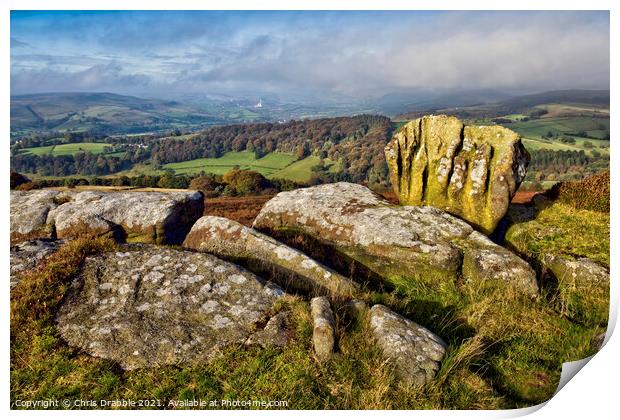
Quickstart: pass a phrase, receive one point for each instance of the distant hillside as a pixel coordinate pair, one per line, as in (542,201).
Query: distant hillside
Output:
(593,100)
(581,97)
(100,112)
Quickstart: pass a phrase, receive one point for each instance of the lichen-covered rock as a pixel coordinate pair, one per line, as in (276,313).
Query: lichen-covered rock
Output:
(27,255)
(395,242)
(324,327)
(277,332)
(469,171)
(583,287)
(264,255)
(149,306)
(150,217)
(414,351)
(29,210)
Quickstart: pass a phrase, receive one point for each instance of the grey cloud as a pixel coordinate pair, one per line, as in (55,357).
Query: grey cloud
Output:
(297,56)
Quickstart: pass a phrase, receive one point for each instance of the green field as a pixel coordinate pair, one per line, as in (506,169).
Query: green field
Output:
(268,165)
(301,171)
(66,149)
(533,131)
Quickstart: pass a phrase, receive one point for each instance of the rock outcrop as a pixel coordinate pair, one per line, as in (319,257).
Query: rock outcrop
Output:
(149,306)
(264,255)
(414,351)
(150,217)
(27,255)
(29,210)
(469,171)
(324,328)
(396,242)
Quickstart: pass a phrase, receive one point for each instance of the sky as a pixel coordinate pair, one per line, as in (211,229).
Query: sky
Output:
(297,55)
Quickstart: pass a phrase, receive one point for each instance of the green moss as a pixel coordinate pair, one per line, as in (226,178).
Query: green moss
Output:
(557,232)
(560,229)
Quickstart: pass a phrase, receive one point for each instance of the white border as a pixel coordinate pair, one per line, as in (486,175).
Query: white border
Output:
(592,394)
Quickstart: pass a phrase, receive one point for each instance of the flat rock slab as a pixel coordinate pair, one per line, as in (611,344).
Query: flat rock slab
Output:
(149,217)
(469,171)
(263,254)
(414,351)
(27,255)
(153,306)
(395,242)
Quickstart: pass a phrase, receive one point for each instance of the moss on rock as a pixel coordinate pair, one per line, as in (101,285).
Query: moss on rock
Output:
(469,171)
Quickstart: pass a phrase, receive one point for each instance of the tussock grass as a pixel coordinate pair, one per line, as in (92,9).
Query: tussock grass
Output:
(504,351)
(561,230)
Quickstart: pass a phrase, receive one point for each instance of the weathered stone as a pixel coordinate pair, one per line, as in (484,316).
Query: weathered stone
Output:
(395,242)
(262,254)
(469,171)
(414,351)
(356,309)
(29,210)
(149,306)
(150,217)
(324,331)
(583,287)
(277,332)
(27,255)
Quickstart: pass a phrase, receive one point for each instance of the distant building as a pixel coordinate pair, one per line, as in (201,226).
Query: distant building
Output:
(259,104)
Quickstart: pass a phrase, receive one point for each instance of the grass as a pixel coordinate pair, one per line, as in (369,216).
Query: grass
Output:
(557,226)
(67,149)
(267,165)
(301,171)
(505,351)
(557,233)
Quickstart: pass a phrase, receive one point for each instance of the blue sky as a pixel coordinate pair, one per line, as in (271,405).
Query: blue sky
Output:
(300,55)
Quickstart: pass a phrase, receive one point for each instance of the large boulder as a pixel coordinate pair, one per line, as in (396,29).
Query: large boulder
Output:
(414,351)
(469,171)
(29,210)
(149,306)
(149,217)
(396,242)
(264,255)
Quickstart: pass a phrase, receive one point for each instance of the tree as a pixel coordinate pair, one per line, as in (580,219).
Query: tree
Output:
(208,184)
(244,182)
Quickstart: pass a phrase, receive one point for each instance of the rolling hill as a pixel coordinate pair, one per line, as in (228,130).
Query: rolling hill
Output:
(103,112)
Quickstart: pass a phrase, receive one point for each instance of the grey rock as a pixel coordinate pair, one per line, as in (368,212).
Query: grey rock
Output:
(27,255)
(262,254)
(414,351)
(277,332)
(356,309)
(147,306)
(584,287)
(395,242)
(324,327)
(29,210)
(149,217)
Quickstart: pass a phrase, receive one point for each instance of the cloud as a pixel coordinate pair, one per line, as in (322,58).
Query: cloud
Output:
(352,54)
(16,43)
(100,77)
